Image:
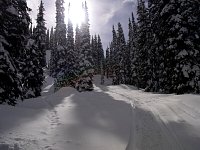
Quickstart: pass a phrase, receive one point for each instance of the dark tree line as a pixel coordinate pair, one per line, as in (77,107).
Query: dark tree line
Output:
(162,51)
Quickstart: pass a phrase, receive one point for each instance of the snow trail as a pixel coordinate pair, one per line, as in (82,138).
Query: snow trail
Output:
(110,117)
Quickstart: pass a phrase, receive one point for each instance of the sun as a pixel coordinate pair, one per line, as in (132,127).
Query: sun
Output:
(74,11)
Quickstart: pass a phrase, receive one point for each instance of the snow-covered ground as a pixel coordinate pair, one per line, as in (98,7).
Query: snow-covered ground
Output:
(108,118)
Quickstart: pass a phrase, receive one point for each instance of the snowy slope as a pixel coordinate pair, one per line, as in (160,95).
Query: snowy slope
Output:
(162,122)
(109,118)
(66,120)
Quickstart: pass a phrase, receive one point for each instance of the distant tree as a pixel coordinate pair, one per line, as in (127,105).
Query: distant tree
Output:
(60,39)
(100,55)
(40,35)
(121,55)
(47,40)
(111,61)
(70,71)
(60,23)
(51,40)
(107,63)
(114,49)
(132,44)
(77,46)
(86,60)
(95,53)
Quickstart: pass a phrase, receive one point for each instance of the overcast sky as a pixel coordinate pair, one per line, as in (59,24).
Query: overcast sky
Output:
(103,14)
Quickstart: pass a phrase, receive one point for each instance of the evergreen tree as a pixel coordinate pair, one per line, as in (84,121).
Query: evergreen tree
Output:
(154,43)
(129,55)
(51,40)
(181,48)
(35,59)
(14,29)
(60,23)
(10,85)
(70,71)
(40,35)
(86,60)
(33,74)
(53,53)
(60,39)
(142,58)
(107,63)
(111,61)
(115,65)
(77,45)
(53,61)
(132,44)
(121,55)
(47,40)
(174,50)
(95,54)
(100,55)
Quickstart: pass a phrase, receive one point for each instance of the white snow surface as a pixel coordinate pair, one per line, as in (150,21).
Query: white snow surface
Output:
(108,118)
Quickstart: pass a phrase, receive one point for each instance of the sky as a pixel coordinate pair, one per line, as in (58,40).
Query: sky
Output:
(103,14)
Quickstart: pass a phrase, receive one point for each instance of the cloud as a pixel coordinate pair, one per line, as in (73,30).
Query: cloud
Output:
(103,14)
(115,11)
(49,13)
(127,1)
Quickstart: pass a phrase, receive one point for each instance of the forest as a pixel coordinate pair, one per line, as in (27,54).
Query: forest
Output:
(161,54)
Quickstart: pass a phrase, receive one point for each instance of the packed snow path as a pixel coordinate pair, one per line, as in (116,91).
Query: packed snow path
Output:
(108,118)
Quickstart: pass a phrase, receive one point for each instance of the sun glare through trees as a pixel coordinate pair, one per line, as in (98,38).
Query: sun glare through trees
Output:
(74,11)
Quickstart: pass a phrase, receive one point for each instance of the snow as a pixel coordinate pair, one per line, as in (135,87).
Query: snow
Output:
(110,117)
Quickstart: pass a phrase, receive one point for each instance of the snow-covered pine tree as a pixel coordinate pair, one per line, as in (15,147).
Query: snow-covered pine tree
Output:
(60,32)
(95,54)
(181,40)
(53,60)
(77,45)
(129,55)
(10,85)
(47,40)
(33,74)
(142,59)
(114,48)
(155,47)
(107,63)
(121,55)
(15,23)
(100,55)
(70,70)
(86,60)
(133,49)
(35,58)
(40,35)
(92,48)
(51,40)
(60,39)
(111,61)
